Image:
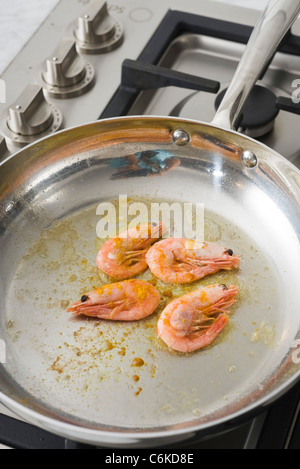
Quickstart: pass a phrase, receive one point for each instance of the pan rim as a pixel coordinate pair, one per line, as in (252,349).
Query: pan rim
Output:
(128,436)
(149,118)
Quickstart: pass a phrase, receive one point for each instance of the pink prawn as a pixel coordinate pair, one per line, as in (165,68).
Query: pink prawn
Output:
(124,256)
(197,318)
(128,300)
(180,260)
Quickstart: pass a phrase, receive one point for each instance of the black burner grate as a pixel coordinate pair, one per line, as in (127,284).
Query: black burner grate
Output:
(173,25)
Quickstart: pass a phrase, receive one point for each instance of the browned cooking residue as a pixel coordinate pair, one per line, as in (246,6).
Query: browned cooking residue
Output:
(168,293)
(138,391)
(122,351)
(56,366)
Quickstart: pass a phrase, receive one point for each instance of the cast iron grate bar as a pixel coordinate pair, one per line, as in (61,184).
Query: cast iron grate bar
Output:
(294,437)
(287,104)
(139,76)
(281,428)
(173,25)
(142,76)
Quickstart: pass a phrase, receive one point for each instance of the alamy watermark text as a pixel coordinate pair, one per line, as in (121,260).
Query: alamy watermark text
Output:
(181,220)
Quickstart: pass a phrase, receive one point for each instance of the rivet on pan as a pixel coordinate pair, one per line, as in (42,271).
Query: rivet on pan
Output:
(249,159)
(180,137)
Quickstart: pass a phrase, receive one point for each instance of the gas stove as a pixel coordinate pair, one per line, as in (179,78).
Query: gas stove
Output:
(95,59)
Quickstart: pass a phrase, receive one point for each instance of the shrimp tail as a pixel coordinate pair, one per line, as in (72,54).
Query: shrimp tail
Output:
(151,233)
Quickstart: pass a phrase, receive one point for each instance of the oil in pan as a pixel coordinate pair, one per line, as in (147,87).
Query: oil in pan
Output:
(121,374)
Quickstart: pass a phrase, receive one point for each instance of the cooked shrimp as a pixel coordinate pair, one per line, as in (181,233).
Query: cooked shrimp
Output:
(194,320)
(179,260)
(124,256)
(128,300)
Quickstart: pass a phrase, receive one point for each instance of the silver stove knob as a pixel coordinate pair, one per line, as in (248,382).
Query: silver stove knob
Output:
(30,117)
(66,74)
(97,31)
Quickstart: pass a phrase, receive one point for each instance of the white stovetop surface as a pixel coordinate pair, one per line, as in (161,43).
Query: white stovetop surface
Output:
(19,19)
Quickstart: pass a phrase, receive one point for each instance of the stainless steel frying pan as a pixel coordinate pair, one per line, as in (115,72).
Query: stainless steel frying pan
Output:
(116,384)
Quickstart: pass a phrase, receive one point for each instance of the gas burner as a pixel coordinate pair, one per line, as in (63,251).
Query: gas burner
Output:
(259,112)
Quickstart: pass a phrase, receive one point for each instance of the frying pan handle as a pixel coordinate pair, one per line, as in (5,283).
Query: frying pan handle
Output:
(272,26)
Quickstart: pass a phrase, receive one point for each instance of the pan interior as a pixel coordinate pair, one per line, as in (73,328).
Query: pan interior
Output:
(117,375)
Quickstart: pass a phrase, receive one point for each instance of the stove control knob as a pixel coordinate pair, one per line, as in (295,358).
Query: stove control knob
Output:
(30,117)
(66,74)
(96,31)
